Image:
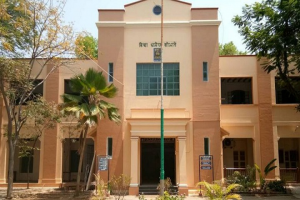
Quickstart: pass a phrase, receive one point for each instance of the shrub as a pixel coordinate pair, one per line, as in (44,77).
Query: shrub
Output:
(120,186)
(276,186)
(247,182)
(101,188)
(215,191)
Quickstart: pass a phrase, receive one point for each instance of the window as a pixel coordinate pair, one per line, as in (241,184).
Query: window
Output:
(109,147)
(74,160)
(205,71)
(111,72)
(282,95)
(239,159)
(289,158)
(37,92)
(24,163)
(206,146)
(148,79)
(236,90)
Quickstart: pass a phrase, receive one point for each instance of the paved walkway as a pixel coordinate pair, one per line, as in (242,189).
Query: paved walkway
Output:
(53,193)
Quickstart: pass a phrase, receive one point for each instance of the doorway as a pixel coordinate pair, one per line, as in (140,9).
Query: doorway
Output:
(150,160)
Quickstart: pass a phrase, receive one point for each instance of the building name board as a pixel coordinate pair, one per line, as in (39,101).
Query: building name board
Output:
(157,44)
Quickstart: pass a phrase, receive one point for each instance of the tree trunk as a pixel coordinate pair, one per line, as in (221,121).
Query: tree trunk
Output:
(81,160)
(10,169)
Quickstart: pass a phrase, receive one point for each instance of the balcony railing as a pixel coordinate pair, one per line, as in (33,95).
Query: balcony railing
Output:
(230,171)
(289,174)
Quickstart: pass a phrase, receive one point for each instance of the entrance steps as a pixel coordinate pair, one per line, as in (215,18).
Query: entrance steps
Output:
(152,190)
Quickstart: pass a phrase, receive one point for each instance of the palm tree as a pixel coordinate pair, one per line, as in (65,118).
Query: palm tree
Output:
(90,106)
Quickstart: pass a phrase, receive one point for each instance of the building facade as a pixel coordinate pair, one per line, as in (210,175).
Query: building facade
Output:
(225,107)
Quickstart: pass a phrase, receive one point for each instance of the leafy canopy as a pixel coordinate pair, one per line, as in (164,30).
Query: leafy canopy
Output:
(229,49)
(271,29)
(86,46)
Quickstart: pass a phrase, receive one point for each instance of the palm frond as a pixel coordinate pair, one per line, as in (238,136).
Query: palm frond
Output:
(231,187)
(268,169)
(109,92)
(71,98)
(75,83)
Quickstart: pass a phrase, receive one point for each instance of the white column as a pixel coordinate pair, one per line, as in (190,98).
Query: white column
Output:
(182,162)
(276,156)
(134,162)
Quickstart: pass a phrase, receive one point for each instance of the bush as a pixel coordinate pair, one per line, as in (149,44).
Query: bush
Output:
(276,186)
(247,182)
(120,186)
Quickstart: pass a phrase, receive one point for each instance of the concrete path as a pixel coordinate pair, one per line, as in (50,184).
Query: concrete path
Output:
(53,193)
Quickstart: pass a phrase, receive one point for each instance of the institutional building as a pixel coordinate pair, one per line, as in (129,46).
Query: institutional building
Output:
(225,107)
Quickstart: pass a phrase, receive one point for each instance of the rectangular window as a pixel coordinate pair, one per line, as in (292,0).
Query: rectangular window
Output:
(111,72)
(37,92)
(205,71)
(109,147)
(239,159)
(283,96)
(236,90)
(148,79)
(206,146)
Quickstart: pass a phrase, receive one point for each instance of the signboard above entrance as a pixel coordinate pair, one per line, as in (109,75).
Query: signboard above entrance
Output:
(157,44)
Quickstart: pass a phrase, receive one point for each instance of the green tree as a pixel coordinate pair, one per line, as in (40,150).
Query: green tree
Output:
(229,49)
(32,29)
(91,87)
(271,30)
(86,46)
(44,115)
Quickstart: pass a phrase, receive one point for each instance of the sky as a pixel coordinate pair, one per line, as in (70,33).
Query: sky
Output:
(84,14)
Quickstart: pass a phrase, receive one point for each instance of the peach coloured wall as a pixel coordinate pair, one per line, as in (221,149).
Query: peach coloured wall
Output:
(240,66)
(50,166)
(135,54)
(142,12)
(205,95)
(265,118)
(111,50)
(204,13)
(111,15)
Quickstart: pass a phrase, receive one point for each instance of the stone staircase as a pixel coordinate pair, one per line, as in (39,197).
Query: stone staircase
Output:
(152,190)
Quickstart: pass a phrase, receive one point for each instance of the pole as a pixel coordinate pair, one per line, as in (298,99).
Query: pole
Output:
(162,170)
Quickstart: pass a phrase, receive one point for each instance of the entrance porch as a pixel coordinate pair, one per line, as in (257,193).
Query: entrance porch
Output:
(145,149)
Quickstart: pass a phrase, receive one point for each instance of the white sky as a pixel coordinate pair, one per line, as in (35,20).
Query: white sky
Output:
(84,14)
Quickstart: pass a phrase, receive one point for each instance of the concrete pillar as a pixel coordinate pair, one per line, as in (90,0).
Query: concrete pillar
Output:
(51,154)
(276,156)
(134,171)
(183,187)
